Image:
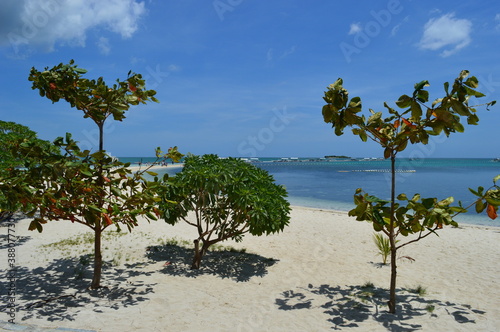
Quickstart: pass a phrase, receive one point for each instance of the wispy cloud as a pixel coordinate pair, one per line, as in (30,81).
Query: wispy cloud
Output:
(174,68)
(446,33)
(497,19)
(270,53)
(355,28)
(103,45)
(43,24)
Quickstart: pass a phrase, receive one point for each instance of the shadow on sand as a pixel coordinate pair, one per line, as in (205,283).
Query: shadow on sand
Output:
(346,307)
(59,290)
(8,237)
(239,266)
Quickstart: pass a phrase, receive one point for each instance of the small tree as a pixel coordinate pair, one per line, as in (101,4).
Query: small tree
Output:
(414,124)
(229,197)
(93,189)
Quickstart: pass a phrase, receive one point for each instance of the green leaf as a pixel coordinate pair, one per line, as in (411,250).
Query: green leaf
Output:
(387,152)
(402,146)
(94,208)
(458,127)
(402,197)
(328,113)
(421,85)
(374,118)
(496,178)
(428,202)
(116,191)
(152,173)
(80,70)
(463,74)
(416,112)
(446,87)
(446,201)
(493,201)
(375,199)
(474,192)
(404,101)
(472,119)
(480,206)
(415,198)
(459,107)
(86,173)
(377,227)
(35,224)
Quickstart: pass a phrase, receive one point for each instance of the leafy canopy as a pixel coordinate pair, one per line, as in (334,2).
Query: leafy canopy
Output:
(229,197)
(95,98)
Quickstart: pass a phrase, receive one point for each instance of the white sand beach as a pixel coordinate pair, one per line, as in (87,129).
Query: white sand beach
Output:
(311,277)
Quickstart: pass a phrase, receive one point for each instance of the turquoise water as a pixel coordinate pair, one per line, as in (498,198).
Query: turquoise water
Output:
(331,184)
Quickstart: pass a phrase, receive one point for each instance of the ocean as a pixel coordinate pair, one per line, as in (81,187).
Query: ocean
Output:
(331,183)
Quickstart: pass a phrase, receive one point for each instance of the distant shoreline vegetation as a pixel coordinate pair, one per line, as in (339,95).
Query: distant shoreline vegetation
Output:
(331,158)
(338,157)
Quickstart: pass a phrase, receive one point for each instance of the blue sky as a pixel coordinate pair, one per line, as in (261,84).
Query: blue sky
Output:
(246,78)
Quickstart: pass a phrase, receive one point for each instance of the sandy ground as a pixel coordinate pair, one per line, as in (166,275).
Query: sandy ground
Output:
(322,273)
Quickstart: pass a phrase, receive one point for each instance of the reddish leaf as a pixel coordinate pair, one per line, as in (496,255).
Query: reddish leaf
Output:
(408,123)
(108,219)
(491,212)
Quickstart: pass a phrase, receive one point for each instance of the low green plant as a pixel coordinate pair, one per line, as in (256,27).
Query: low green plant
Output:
(419,290)
(368,284)
(383,245)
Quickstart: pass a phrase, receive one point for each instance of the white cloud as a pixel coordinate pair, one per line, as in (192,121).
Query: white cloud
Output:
(103,45)
(355,28)
(43,24)
(446,32)
(497,18)
(174,68)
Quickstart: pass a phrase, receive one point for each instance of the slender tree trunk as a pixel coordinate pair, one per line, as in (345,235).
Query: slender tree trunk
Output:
(392,238)
(198,254)
(101,136)
(96,279)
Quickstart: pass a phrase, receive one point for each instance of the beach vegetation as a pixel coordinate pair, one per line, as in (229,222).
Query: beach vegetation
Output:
(84,187)
(413,121)
(383,245)
(227,198)
(419,290)
(12,135)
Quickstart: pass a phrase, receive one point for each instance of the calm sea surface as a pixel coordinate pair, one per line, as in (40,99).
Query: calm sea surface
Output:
(331,184)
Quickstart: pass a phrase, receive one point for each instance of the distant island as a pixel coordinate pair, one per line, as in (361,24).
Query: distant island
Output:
(338,157)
